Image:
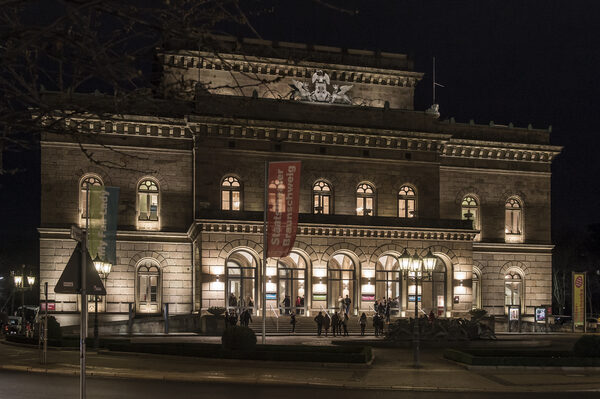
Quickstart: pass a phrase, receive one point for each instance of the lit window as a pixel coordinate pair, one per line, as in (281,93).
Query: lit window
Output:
(148,200)
(231,194)
(365,197)
(476,291)
(87,182)
(407,201)
(514,218)
(322,197)
(148,287)
(470,211)
(512,289)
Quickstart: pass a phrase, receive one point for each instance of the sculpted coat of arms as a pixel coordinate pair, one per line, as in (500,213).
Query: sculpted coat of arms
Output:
(320,80)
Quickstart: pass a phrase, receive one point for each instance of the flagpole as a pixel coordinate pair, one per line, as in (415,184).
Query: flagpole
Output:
(83,322)
(433,85)
(264,261)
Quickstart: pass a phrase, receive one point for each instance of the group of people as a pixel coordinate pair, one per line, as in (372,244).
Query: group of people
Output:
(231,318)
(287,303)
(247,302)
(383,308)
(337,323)
(344,305)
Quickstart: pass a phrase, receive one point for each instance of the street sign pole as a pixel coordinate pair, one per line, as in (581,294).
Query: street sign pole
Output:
(46,325)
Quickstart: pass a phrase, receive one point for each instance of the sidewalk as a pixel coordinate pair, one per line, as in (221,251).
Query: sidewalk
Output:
(391,370)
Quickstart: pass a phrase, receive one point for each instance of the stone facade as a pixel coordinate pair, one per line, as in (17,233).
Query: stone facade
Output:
(202,251)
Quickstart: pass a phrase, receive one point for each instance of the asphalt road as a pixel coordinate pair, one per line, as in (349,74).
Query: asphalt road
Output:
(17,385)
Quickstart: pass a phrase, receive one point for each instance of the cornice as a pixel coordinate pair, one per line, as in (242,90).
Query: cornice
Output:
(309,229)
(50,233)
(499,151)
(508,247)
(283,68)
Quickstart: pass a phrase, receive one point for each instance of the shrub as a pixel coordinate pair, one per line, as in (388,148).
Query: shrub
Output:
(587,346)
(54,331)
(216,310)
(439,330)
(238,338)
(477,314)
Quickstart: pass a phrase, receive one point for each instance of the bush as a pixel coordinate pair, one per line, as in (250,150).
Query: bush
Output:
(216,310)
(587,346)
(54,331)
(439,330)
(238,338)
(477,314)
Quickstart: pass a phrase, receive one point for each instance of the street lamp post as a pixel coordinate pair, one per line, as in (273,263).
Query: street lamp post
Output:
(19,281)
(103,269)
(418,265)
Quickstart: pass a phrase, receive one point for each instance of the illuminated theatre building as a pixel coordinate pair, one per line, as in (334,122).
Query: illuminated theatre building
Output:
(378,178)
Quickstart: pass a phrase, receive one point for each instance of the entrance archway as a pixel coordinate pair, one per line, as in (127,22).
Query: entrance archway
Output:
(292,282)
(341,270)
(241,280)
(387,280)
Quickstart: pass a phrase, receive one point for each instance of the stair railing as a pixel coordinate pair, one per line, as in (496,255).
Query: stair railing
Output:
(276,316)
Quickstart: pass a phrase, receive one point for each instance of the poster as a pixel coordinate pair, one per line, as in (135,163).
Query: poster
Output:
(282,212)
(578,298)
(514,313)
(540,314)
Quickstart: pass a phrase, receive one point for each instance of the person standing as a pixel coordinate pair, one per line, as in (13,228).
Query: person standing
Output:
(376,324)
(319,321)
(341,304)
(335,321)
(347,303)
(326,323)
(345,325)
(388,310)
(298,304)
(363,323)
(293,322)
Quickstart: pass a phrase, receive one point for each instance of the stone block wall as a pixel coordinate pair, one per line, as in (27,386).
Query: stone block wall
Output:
(493,188)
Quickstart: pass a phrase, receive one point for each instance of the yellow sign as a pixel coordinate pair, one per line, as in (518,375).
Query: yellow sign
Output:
(578,299)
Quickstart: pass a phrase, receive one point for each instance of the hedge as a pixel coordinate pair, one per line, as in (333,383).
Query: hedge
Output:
(300,353)
(520,358)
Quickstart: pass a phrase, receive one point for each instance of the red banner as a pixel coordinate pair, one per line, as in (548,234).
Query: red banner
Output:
(283,201)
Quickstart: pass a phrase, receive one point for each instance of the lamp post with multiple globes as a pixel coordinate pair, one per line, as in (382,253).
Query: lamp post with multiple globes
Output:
(418,266)
(19,280)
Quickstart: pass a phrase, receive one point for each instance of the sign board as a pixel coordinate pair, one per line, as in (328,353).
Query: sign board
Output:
(578,299)
(368,297)
(70,279)
(271,296)
(514,313)
(540,314)
(283,201)
(319,297)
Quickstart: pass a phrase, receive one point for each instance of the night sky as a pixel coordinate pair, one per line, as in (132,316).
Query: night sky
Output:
(522,62)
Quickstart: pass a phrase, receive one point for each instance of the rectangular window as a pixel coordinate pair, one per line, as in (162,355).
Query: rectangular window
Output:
(410,204)
(359,207)
(143,288)
(235,199)
(144,207)
(153,288)
(225,200)
(153,206)
(513,221)
(326,204)
(369,206)
(402,208)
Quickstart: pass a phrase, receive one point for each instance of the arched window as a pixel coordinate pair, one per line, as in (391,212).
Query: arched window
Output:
(292,282)
(241,274)
(340,281)
(432,290)
(231,194)
(513,289)
(88,181)
(470,211)
(476,290)
(148,200)
(387,280)
(407,202)
(513,225)
(148,287)
(322,197)
(365,200)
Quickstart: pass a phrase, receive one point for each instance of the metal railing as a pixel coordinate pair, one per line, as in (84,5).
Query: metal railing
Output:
(276,316)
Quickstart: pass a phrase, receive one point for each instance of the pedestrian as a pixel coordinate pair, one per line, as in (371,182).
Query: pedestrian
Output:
(302,305)
(251,305)
(233,318)
(319,321)
(376,324)
(345,325)
(388,310)
(431,316)
(298,304)
(226,317)
(347,303)
(381,325)
(326,323)
(363,323)
(293,322)
(335,322)
(341,304)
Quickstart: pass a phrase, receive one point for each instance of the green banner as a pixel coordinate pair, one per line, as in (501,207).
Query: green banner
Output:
(103,216)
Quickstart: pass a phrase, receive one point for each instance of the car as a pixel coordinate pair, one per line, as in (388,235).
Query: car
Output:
(13,326)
